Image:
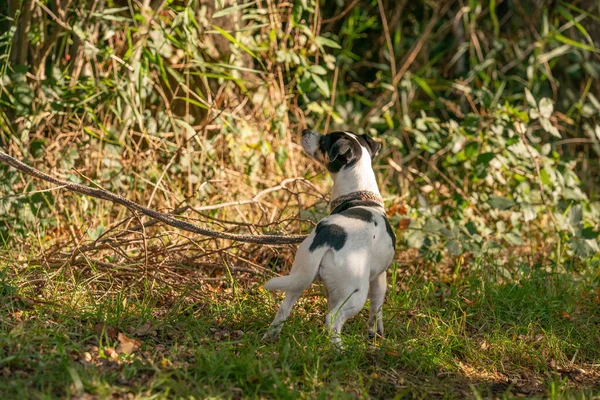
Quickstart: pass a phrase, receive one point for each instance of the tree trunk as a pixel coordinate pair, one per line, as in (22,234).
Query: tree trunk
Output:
(20,43)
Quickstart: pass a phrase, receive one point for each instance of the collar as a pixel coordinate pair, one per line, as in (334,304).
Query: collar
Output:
(362,195)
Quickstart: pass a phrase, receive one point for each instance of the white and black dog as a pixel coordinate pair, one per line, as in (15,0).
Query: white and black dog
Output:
(350,249)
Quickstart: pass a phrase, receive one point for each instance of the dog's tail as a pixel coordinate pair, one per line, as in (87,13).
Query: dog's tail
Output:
(304,270)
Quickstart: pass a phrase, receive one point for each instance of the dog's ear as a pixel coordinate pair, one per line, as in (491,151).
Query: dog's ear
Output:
(340,149)
(372,145)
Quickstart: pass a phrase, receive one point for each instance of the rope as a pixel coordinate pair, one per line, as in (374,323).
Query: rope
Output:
(165,218)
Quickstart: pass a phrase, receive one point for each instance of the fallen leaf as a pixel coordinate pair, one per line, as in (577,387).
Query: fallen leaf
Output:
(110,331)
(397,208)
(17,316)
(566,315)
(146,329)
(220,336)
(237,335)
(403,224)
(391,352)
(127,345)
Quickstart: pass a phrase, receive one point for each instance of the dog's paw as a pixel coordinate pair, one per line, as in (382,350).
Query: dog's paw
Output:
(374,334)
(272,335)
(336,342)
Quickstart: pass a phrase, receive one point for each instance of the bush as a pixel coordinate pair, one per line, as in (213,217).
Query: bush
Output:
(486,108)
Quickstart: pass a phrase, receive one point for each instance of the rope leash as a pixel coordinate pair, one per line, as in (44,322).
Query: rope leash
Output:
(165,218)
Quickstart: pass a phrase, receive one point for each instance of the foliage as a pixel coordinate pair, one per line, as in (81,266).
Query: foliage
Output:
(482,110)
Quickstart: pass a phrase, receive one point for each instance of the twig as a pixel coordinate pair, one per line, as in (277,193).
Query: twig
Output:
(332,100)
(575,141)
(30,193)
(419,45)
(390,46)
(342,14)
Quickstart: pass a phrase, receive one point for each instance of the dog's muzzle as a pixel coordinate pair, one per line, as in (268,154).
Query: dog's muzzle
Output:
(310,142)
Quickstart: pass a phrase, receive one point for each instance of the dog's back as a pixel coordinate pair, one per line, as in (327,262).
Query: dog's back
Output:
(359,240)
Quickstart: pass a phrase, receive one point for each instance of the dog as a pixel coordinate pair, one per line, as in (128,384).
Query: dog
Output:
(351,249)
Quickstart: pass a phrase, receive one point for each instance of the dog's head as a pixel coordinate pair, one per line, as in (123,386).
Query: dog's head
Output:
(339,150)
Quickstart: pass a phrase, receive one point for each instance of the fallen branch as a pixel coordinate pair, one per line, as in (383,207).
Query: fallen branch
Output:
(165,218)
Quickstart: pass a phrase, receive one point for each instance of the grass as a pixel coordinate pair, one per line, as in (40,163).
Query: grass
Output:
(449,334)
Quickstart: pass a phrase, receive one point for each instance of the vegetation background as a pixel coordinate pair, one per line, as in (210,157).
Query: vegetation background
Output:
(489,112)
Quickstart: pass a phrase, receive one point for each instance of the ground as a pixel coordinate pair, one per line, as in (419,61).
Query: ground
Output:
(473,331)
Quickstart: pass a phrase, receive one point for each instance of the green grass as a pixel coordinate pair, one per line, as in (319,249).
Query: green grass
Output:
(447,335)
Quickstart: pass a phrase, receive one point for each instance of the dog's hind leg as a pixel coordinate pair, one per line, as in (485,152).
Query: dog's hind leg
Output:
(282,314)
(344,303)
(377,291)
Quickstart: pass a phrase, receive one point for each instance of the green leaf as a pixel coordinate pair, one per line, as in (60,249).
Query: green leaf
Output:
(192,101)
(546,107)
(529,213)
(231,10)
(565,13)
(282,156)
(433,225)
(317,69)
(575,216)
(323,41)
(545,177)
(471,149)
(94,234)
(514,239)
(454,248)
(492,247)
(548,127)
(589,233)
(389,120)
(321,84)
(499,202)
(494,17)
(573,43)
(582,248)
(511,141)
(233,40)
(415,239)
(423,84)
(485,158)
(530,98)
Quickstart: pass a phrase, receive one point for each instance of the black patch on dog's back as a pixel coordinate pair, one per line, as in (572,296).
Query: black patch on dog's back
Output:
(330,235)
(390,231)
(358,213)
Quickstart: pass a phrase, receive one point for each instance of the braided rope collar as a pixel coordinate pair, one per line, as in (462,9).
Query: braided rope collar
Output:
(359,195)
